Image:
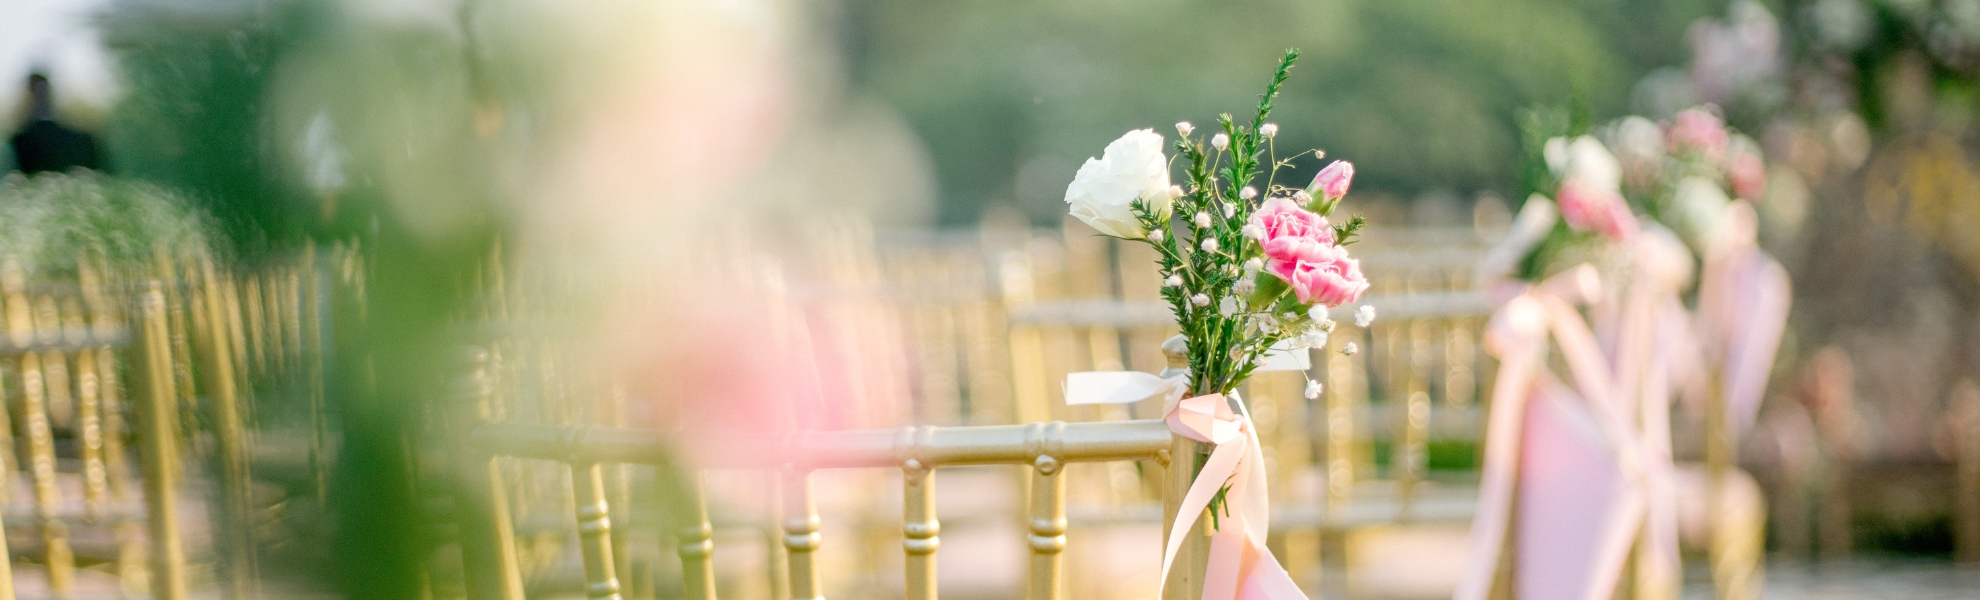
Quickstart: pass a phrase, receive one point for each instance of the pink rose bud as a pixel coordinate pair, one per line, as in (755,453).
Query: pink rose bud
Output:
(1332,182)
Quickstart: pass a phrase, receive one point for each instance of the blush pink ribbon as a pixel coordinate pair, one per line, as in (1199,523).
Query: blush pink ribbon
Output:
(1240,566)
(1743,302)
(1563,473)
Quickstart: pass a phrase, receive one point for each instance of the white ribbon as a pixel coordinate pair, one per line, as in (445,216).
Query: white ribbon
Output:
(1124,387)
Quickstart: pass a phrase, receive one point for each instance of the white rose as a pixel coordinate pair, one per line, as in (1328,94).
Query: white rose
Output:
(1584,159)
(1103,192)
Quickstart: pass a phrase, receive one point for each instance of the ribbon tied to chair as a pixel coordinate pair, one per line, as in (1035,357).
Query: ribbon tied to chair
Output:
(1240,566)
(1570,449)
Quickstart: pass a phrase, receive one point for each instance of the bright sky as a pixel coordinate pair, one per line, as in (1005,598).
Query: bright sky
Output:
(55,35)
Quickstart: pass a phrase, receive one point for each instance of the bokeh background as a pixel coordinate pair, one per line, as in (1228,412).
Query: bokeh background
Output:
(643,165)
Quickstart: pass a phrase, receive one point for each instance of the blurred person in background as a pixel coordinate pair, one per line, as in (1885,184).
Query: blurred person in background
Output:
(44,144)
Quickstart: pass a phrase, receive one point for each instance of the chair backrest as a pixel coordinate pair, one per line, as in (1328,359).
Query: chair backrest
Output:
(917,451)
(106,362)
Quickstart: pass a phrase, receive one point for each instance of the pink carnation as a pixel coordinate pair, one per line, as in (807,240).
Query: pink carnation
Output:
(1321,274)
(1289,230)
(1699,130)
(1586,208)
(1748,174)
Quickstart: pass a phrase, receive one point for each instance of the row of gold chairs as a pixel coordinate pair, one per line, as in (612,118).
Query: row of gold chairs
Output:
(986,324)
(162,362)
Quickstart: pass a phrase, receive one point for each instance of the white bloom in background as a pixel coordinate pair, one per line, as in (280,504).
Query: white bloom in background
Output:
(1244,287)
(1184,128)
(1259,360)
(1584,159)
(1254,233)
(1313,389)
(1302,197)
(1248,192)
(1350,349)
(1325,324)
(1696,205)
(1254,263)
(1202,220)
(1132,168)
(1230,210)
(1269,130)
(1174,280)
(1317,312)
(1639,143)
(1210,245)
(1156,236)
(1364,315)
(1267,321)
(1228,306)
(1199,300)
(1220,141)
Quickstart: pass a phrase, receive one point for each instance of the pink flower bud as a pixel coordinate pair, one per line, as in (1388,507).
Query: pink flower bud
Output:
(1332,182)
(1699,130)
(1748,175)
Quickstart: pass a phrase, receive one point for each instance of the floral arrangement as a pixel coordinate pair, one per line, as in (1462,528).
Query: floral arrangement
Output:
(1248,274)
(1680,175)
(1244,270)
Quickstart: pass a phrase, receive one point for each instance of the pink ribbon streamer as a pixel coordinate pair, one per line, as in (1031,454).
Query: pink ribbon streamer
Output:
(1570,452)
(1240,566)
(1743,301)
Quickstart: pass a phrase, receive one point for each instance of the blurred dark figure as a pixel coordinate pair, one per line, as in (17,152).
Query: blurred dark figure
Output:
(45,145)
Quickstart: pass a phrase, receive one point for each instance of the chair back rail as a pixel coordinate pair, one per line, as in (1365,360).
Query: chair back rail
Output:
(917,450)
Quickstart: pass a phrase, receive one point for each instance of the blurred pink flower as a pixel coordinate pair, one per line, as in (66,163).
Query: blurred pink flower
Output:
(1698,130)
(1748,175)
(1332,182)
(1289,229)
(1321,274)
(1588,208)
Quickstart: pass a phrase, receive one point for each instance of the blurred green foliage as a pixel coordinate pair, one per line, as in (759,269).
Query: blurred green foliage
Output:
(194,114)
(1420,94)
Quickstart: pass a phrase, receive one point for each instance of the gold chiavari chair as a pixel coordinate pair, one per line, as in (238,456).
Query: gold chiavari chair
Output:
(103,362)
(1413,387)
(584,451)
